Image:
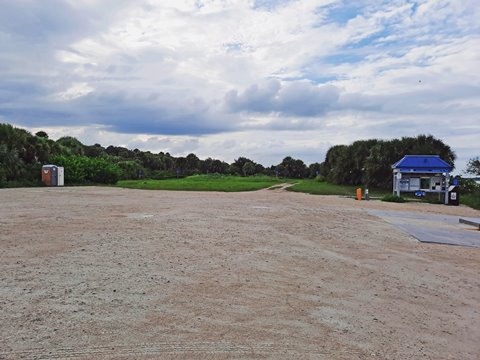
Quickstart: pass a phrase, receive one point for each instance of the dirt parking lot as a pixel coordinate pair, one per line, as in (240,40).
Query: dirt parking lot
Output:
(107,273)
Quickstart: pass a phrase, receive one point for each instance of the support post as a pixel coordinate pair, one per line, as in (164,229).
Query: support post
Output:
(398,177)
(447,184)
(394,182)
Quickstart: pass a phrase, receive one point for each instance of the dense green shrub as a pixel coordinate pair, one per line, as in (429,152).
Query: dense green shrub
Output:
(468,186)
(3,177)
(130,169)
(393,198)
(102,171)
(469,192)
(160,174)
(82,169)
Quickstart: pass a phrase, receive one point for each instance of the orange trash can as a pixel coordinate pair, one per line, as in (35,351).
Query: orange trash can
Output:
(359,194)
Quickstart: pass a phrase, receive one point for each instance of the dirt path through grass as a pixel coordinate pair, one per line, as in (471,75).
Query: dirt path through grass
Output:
(281,187)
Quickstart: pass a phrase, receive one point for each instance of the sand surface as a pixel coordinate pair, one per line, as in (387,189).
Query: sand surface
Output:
(106,273)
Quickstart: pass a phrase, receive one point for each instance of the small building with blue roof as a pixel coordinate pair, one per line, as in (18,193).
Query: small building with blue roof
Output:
(421,174)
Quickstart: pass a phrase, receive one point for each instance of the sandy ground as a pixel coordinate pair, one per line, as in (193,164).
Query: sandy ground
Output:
(105,273)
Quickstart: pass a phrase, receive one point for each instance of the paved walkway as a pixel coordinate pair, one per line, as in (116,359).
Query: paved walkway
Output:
(442,229)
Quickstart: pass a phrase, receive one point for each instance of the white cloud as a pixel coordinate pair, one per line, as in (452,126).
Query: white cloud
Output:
(231,78)
(75,91)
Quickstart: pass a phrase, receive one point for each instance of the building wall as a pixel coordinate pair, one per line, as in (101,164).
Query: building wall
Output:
(425,182)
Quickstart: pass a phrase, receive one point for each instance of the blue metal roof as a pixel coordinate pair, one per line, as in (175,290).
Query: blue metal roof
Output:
(422,164)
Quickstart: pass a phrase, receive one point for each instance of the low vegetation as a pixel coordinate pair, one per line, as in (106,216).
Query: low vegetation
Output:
(469,189)
(229,183)
(393,198)
(319,186)
(322,188)
(472,200)
(224,183)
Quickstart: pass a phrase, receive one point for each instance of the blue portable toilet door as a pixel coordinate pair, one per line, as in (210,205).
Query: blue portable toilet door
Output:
(54,178)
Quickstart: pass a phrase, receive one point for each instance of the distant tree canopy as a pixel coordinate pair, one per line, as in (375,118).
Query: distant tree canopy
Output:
(467,185)
(369,161)
(363,162)
(292,168)
(473,166)
(22,155)
(42,134)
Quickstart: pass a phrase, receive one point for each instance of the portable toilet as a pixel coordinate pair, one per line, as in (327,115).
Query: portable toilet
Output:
(50,175)
(60,176)
(54,176)
(46,175)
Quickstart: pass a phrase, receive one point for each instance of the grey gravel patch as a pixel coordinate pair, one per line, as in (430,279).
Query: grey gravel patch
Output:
(432,228)
(139,216)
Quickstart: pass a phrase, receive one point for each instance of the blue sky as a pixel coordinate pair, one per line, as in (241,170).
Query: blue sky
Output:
(262,79)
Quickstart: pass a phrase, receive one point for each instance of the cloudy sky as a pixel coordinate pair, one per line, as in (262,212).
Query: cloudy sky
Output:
(228,78)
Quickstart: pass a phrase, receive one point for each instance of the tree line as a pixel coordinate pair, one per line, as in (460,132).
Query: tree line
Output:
(22,155)
(366,162)
(369,162)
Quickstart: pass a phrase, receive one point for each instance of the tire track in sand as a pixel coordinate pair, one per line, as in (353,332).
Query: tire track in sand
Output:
(203,348)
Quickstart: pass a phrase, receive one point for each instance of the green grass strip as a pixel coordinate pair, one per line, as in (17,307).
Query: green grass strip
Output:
(472,200)
(311,186)
(204,183)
